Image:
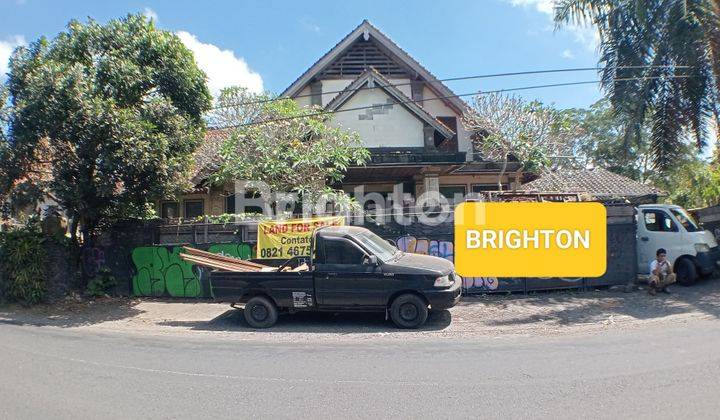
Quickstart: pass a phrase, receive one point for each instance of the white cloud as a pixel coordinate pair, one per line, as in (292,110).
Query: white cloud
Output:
(6,48)
(584,35)
(544,6)
(567,54)
(222,67)
(150,14)
(309,26)
(588,36)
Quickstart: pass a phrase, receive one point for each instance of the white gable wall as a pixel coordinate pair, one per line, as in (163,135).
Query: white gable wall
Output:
(332,87)
(304,98)
(396,128)
(372,130)
(437,108)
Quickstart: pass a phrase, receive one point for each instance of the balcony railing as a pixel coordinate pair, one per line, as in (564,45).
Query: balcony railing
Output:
(414,156)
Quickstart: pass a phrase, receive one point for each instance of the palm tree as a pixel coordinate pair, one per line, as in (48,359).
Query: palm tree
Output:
(671,51)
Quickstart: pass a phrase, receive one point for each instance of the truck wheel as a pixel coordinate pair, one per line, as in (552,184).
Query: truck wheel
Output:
(409,311)
(686,272)
(260,312)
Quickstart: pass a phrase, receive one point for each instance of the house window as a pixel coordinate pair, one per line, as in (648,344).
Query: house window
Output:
(478,188)
(194,208)
(453,193)
(230,207)
(230,204)
(169,210)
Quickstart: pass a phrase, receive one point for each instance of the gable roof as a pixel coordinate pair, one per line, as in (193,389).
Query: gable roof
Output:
(598,182)
(367,31)
(372,76)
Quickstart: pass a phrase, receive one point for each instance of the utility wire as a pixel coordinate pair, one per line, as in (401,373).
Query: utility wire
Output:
(449,79)
(360,108)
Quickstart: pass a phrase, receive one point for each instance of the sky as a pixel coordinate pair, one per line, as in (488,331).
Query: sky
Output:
(266,45)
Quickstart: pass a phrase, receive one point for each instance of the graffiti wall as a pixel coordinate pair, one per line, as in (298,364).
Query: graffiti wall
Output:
(444,249)
(159,270)
(438,248)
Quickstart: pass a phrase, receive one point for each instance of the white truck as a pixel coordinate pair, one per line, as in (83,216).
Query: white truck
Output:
(692,250)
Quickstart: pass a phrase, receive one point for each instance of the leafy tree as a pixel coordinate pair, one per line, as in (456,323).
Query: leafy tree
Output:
(4,144)
(602,141)
(693,184)
(289,148)
(671,50)
(115,112)
(506,127)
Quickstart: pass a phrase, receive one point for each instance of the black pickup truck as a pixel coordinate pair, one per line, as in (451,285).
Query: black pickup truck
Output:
(350,269)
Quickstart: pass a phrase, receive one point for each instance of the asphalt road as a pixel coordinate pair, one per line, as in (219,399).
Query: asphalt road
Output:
(658,372)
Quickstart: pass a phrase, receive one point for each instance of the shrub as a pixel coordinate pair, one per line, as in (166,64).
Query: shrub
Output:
(23,262)
(102,284)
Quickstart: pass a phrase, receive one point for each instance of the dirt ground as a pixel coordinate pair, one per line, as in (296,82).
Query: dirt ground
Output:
(547,313)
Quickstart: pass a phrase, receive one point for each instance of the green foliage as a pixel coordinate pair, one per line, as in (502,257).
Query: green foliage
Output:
(114,111)
(102,284)
(661,63)
(692,184)
(230,218)
(507,127)
(23,264)
(288,147)
(602,141)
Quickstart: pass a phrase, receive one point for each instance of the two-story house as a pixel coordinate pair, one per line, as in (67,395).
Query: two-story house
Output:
(409,120)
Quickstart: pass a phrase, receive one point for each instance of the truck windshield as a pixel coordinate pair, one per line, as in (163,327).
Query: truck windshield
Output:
(377,245)
(686,220)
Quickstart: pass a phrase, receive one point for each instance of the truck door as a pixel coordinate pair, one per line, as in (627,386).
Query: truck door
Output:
(344,276)
(656,229)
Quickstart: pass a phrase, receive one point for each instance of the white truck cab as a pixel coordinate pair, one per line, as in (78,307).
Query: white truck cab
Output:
(692,250)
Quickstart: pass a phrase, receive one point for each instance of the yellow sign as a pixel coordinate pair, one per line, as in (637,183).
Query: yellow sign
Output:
(290,238)
(530,239)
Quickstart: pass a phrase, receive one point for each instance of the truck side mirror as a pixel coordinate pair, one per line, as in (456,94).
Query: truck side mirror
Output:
(371,260)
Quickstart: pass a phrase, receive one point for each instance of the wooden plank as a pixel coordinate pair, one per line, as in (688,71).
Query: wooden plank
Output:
(225,258)
(210,255)
(220,265)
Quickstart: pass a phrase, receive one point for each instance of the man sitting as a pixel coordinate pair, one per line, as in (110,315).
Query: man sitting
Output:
(661,273)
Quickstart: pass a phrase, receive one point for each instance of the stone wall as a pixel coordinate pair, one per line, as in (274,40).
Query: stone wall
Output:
(438,241)
(63,275)
(144,256)
(709,217)
(113,249)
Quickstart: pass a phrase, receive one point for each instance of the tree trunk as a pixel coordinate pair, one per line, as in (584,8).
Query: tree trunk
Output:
(74,228)
(502,174)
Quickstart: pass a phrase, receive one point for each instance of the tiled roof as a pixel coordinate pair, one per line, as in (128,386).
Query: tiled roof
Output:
(206,158)
(335,51)
(598,182)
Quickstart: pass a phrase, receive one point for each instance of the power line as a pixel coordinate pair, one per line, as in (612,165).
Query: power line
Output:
(449,79)
(360,108)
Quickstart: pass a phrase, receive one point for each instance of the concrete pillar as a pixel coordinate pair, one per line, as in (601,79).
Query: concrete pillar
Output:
(429,136)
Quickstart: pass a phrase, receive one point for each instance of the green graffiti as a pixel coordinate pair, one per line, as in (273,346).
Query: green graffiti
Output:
(160,272)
